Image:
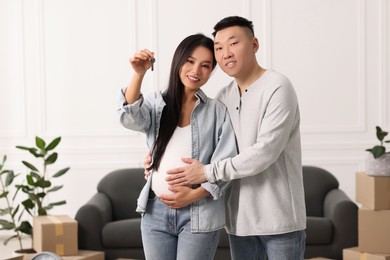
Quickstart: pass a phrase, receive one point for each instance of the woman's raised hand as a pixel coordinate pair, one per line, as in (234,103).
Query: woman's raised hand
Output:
(141,61)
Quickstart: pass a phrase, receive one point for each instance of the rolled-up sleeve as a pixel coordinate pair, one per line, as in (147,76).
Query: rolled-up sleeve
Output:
(135,116)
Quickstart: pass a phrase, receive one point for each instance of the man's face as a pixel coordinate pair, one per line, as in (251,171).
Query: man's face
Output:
(235,49)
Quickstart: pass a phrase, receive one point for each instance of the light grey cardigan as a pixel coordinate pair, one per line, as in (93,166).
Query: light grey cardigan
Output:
(267,195)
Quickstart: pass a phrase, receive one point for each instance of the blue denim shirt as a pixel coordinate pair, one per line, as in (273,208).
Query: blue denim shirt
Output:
(213,139)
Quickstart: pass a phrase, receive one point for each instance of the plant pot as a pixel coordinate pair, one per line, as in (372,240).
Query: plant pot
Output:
(379,166)
(26,254)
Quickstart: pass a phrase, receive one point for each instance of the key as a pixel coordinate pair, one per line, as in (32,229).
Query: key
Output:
(152,61)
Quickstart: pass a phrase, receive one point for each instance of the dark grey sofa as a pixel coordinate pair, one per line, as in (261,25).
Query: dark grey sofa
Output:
(108,221)
(332,218)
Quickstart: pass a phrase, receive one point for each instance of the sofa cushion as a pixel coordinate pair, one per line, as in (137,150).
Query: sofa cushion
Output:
(122,234)
(319,231)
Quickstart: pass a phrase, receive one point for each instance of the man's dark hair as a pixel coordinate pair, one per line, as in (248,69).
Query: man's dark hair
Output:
(233,21)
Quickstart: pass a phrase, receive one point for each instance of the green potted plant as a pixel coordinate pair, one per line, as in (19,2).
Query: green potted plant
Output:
(39,183)
(36,185)
(378,161)
(11,216)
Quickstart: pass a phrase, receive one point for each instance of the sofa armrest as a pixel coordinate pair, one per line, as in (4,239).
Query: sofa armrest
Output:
(343,213)
(91,218)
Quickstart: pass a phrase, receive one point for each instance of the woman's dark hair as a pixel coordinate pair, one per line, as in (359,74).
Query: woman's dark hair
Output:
(233,21)
(173,96)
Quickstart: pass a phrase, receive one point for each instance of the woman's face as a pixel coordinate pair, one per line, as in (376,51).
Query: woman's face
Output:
(197,69)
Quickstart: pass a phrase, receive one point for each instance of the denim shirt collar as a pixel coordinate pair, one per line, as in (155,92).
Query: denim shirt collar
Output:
(201,96)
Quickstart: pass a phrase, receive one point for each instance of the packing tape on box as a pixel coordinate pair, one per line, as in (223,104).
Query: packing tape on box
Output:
(58,225)
(59,229)
(60,250)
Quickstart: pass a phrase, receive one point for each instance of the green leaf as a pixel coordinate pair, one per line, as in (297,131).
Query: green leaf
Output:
(25,227)
(28,211)
(4,194)
(380,134)
(24,148)
(51,159)
(5,211)
(53,144)
(32,150)
(6,225)
(61,172)
(40,195)
(4,172)
(10,178)
(42,183)
(48,207)
(40,143)
(30,180)
(56,188)
(15,211)
(30,166)
(42,212)
(25,188)
(378,151)
(58,203)
(28,204)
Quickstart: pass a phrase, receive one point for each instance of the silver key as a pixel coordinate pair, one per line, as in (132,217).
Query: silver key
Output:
(152,60)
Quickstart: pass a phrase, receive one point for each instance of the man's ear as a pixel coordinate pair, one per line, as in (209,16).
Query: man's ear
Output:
(255,44)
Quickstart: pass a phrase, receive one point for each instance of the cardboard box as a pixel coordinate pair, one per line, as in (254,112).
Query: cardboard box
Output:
(374,230)
(86,255)
(353,253)
(57,234)
(373,192)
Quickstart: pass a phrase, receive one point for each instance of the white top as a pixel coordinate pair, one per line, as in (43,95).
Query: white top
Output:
(179,146)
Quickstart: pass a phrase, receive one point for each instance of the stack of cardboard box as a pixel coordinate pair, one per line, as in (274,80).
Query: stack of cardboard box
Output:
(58,234)
(373,193)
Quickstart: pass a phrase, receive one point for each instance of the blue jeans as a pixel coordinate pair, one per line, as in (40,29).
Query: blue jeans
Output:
(289,246)
(166,234)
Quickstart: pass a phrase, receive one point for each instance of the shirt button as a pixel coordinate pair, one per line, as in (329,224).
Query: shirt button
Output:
(236,108)
(246,90)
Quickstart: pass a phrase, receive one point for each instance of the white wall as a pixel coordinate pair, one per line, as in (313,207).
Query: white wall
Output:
(62,63)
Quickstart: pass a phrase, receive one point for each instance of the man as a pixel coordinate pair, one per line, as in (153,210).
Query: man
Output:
(265,206)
